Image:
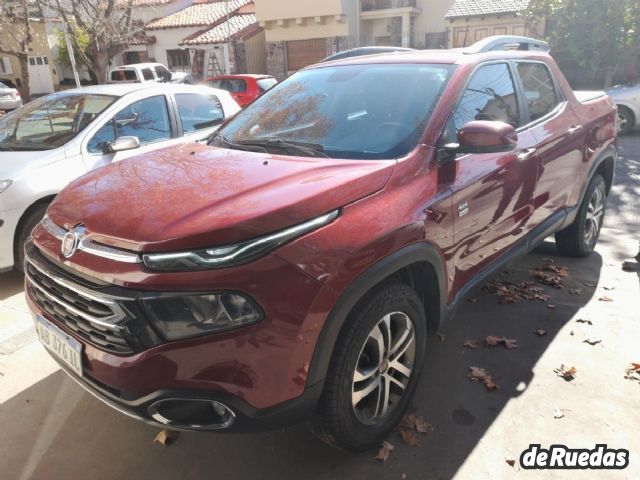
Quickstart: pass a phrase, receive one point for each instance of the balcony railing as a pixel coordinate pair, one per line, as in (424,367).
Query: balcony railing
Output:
(368,5)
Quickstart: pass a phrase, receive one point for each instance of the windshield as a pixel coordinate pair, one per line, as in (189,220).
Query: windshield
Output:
(352,111)
(51,121)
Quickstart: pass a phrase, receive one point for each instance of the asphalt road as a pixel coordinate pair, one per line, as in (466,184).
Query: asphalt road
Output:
(51,429)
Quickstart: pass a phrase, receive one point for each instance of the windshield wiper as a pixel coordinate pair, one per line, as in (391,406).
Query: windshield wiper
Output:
(310,149)
(236,146)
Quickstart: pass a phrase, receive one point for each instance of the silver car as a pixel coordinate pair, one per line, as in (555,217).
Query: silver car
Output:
(9,96)
(55,139)
(627,98)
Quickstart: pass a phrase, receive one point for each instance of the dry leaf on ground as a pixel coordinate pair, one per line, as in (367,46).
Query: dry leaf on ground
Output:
(551,307)
(422,426)
(409,438)
(633,372)
(385,450)
(590,284)
(441,337)
(493,341)
(568,373)
(540,332)
(605,298)
(166,437)
(580,320)
(510,462)
(609,288)
(477,374)
(411,421)
(559,413)
(592,342)
(576,291)
(473,344)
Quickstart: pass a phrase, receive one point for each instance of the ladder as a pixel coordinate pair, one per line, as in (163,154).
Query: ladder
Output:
(213,66)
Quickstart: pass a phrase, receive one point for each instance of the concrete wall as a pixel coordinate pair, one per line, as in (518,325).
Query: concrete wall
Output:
(269,10)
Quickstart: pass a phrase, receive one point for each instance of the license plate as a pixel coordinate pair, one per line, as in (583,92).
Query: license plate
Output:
(63,346)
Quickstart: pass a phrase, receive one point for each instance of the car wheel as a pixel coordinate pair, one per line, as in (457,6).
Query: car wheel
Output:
(374,369)
(626,120)
(28,224)
(579,239)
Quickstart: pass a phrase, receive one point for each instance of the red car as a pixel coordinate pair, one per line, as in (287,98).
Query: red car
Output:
(243,88)
(293,268)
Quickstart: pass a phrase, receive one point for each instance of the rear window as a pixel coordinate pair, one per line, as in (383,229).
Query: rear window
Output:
(125,75)
(265,84)
(233,85)
(147,74)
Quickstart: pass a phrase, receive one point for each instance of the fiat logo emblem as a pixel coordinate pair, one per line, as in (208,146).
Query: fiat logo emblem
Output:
(70,243)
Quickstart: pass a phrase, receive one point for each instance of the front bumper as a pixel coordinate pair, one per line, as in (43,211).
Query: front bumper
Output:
(258,372)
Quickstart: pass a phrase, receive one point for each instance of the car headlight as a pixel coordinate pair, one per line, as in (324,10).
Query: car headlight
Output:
(227,256)
(190,316)
(4,184)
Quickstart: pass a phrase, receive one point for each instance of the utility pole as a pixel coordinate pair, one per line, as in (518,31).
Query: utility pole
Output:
(72,56)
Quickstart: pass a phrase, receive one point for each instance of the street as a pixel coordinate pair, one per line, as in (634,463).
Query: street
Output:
(52,429)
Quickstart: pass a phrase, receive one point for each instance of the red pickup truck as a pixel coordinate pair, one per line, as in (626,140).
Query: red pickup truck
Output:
(293,268)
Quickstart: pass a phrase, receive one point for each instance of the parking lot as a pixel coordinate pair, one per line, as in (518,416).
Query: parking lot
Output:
(52,429)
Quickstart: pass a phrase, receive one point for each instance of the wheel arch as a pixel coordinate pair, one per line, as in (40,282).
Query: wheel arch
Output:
(419,265)
(30,209)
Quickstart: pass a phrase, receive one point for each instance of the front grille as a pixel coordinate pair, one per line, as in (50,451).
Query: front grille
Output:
(89,316)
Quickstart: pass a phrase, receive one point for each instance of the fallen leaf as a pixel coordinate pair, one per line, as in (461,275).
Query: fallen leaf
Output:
(558,414)
(509,343)
(473,300)
(385,450)
(635,366)
(590,284)
(575,291)
(567,373)
(477,374)
(491,341)
(422,426)
(580,320)
(441,337)
(166,437)
(473,344)
(633,372)
(605,298)
(609,288)
(592,342)
(510,462)
(540,332)
(409,438)
(551,307)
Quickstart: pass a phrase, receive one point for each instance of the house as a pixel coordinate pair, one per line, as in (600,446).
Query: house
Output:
(473,20)
(203,38)
(301,32)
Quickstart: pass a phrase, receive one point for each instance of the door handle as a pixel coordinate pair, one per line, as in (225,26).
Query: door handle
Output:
(575,129)
(526,154)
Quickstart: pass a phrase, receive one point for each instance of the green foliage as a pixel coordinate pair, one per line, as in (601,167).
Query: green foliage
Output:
(595,36)
(81,44)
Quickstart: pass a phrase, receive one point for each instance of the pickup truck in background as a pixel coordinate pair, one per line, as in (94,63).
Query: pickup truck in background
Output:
(293,268)
(146,72)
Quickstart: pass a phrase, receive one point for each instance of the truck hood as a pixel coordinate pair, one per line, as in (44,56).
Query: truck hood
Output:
(196,196)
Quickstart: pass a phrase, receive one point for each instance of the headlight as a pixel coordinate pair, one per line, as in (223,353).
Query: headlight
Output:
(194,315)
(4,184)
(231,255)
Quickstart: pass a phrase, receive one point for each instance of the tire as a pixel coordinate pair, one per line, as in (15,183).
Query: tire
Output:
(580,238)
(626,120)
(26,226)
(364,425)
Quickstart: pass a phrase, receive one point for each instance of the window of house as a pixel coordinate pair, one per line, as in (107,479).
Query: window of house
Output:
(490,95)
(147,74)
(199,111)
(539,89)
(146,119)
(178,59)
(32,61)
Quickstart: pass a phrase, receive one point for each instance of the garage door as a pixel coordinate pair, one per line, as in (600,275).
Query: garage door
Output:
(302,53)
(40,75)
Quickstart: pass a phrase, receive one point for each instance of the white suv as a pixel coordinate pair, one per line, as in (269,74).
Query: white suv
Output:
(145,72)
(55,139)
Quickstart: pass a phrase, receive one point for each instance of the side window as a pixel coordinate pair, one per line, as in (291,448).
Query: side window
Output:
(147,74)
(146,119)
(539,89)
(163,73)
(490,95)
(198,111)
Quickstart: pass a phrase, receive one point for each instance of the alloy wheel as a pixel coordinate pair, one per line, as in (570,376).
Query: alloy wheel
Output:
(594,216)
(384,368)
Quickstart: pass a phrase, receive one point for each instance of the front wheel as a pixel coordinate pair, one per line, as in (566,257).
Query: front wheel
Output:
(23,233)
(626,120)
(579,239)
(374,370)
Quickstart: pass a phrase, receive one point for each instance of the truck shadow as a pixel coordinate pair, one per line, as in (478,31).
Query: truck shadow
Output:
(55,430)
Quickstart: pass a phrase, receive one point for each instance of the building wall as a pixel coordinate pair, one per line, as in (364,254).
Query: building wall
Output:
(477,28)
(306,28)
(269,10)
(256,53)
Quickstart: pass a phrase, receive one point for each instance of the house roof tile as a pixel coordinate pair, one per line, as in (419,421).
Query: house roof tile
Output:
(472,8)
(197,15)
(239,26)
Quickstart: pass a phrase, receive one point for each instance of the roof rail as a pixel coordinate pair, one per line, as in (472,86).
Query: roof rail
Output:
(506,42)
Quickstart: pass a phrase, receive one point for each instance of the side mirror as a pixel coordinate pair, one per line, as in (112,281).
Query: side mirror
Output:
(122,144)
(482,136)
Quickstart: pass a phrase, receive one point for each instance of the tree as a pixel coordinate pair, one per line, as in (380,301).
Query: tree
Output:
(596,36)
(16,35)
(107,24)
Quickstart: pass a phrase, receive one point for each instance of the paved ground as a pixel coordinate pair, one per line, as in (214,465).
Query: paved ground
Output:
(50,429)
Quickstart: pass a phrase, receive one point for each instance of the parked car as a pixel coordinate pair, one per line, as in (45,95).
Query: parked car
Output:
(627,98)
(9,96)
(57,138)
(146,72)
(293,268)
(360,51)
(243,88)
